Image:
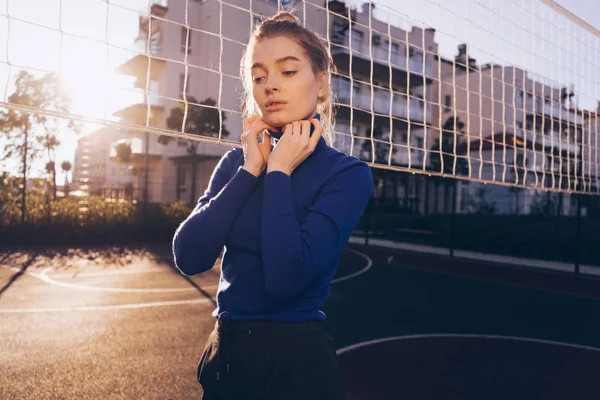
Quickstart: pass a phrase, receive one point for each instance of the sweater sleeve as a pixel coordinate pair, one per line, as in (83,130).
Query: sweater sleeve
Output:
(295,251)
(201,237)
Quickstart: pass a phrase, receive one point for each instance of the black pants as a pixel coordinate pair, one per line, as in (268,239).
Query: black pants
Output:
(270,361)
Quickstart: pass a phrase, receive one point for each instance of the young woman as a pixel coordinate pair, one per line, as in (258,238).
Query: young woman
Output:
(284,209)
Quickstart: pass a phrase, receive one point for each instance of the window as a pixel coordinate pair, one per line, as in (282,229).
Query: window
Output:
(357,39)
(338,32)
(447,103)
(395,47)
(448,100)
(519,98)
(181,181)
(520,132)
(186,37)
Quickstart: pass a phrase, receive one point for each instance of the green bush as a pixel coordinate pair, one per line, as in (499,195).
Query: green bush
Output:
(65,221)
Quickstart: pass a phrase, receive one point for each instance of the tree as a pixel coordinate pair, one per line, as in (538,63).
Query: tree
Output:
(123,151)
(50,167)
(49,143)
(446,148)
(66,167)
(381,148)
(22,130)
(445,162)
(381,155)
(201,121)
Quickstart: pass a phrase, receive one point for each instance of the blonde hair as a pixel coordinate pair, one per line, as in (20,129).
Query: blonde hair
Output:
(286,24)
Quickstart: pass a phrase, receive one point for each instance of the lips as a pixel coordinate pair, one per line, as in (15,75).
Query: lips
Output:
(275,104)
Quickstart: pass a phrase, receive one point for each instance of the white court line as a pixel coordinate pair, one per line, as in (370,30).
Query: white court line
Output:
(459,335)
(77,286)
(44,277)
(96,308)
(355,274)
(109,273)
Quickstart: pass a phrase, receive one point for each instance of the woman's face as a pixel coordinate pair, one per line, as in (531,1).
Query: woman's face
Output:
(283,84)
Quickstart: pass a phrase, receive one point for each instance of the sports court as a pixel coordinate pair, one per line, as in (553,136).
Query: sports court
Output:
(405,325)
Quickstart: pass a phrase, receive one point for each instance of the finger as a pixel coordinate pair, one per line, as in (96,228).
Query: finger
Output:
(314,139)
(296,128)
(259,125)
(252,135)
(305,131)
(249,121)
(288,130)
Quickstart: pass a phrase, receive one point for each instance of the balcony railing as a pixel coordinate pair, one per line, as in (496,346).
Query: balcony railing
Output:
(361,98)
(554,111)
(141,46)
(550,140)
(396,59)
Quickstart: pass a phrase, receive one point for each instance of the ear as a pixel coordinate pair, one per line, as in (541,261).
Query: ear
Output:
(323,83)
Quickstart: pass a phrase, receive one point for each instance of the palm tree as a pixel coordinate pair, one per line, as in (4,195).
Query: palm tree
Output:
(50,169)
(123,152)
(66,167)
(50,143)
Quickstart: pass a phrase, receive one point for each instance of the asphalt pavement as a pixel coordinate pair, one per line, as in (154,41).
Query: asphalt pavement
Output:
(122,323)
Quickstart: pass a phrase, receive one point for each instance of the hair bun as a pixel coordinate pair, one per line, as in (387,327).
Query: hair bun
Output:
(286,16)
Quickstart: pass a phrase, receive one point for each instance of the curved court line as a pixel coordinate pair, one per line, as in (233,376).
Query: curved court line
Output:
(109,273)
(461,335)
(96,308)
(44,277)
(355,274)
(77,286)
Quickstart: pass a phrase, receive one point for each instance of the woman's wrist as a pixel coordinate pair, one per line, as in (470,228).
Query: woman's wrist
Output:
(253,170)
(275,167)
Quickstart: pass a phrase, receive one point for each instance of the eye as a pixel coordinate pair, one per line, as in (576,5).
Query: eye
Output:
(256,80)
(289,73)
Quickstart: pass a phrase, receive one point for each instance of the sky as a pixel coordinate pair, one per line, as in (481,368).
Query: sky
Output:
(510,32)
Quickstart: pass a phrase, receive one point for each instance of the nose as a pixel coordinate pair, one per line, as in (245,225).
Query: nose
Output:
(272,84)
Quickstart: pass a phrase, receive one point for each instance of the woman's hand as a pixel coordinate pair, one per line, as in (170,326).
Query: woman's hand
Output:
(294,146)
(255,154)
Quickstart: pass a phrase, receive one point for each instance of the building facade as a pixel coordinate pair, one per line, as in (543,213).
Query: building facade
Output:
(395,97)
(515,129)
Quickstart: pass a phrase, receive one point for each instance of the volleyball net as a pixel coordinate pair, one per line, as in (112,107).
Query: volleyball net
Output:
(500,92)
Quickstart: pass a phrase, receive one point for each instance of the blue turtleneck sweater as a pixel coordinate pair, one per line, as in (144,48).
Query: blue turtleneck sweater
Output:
(283,235)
